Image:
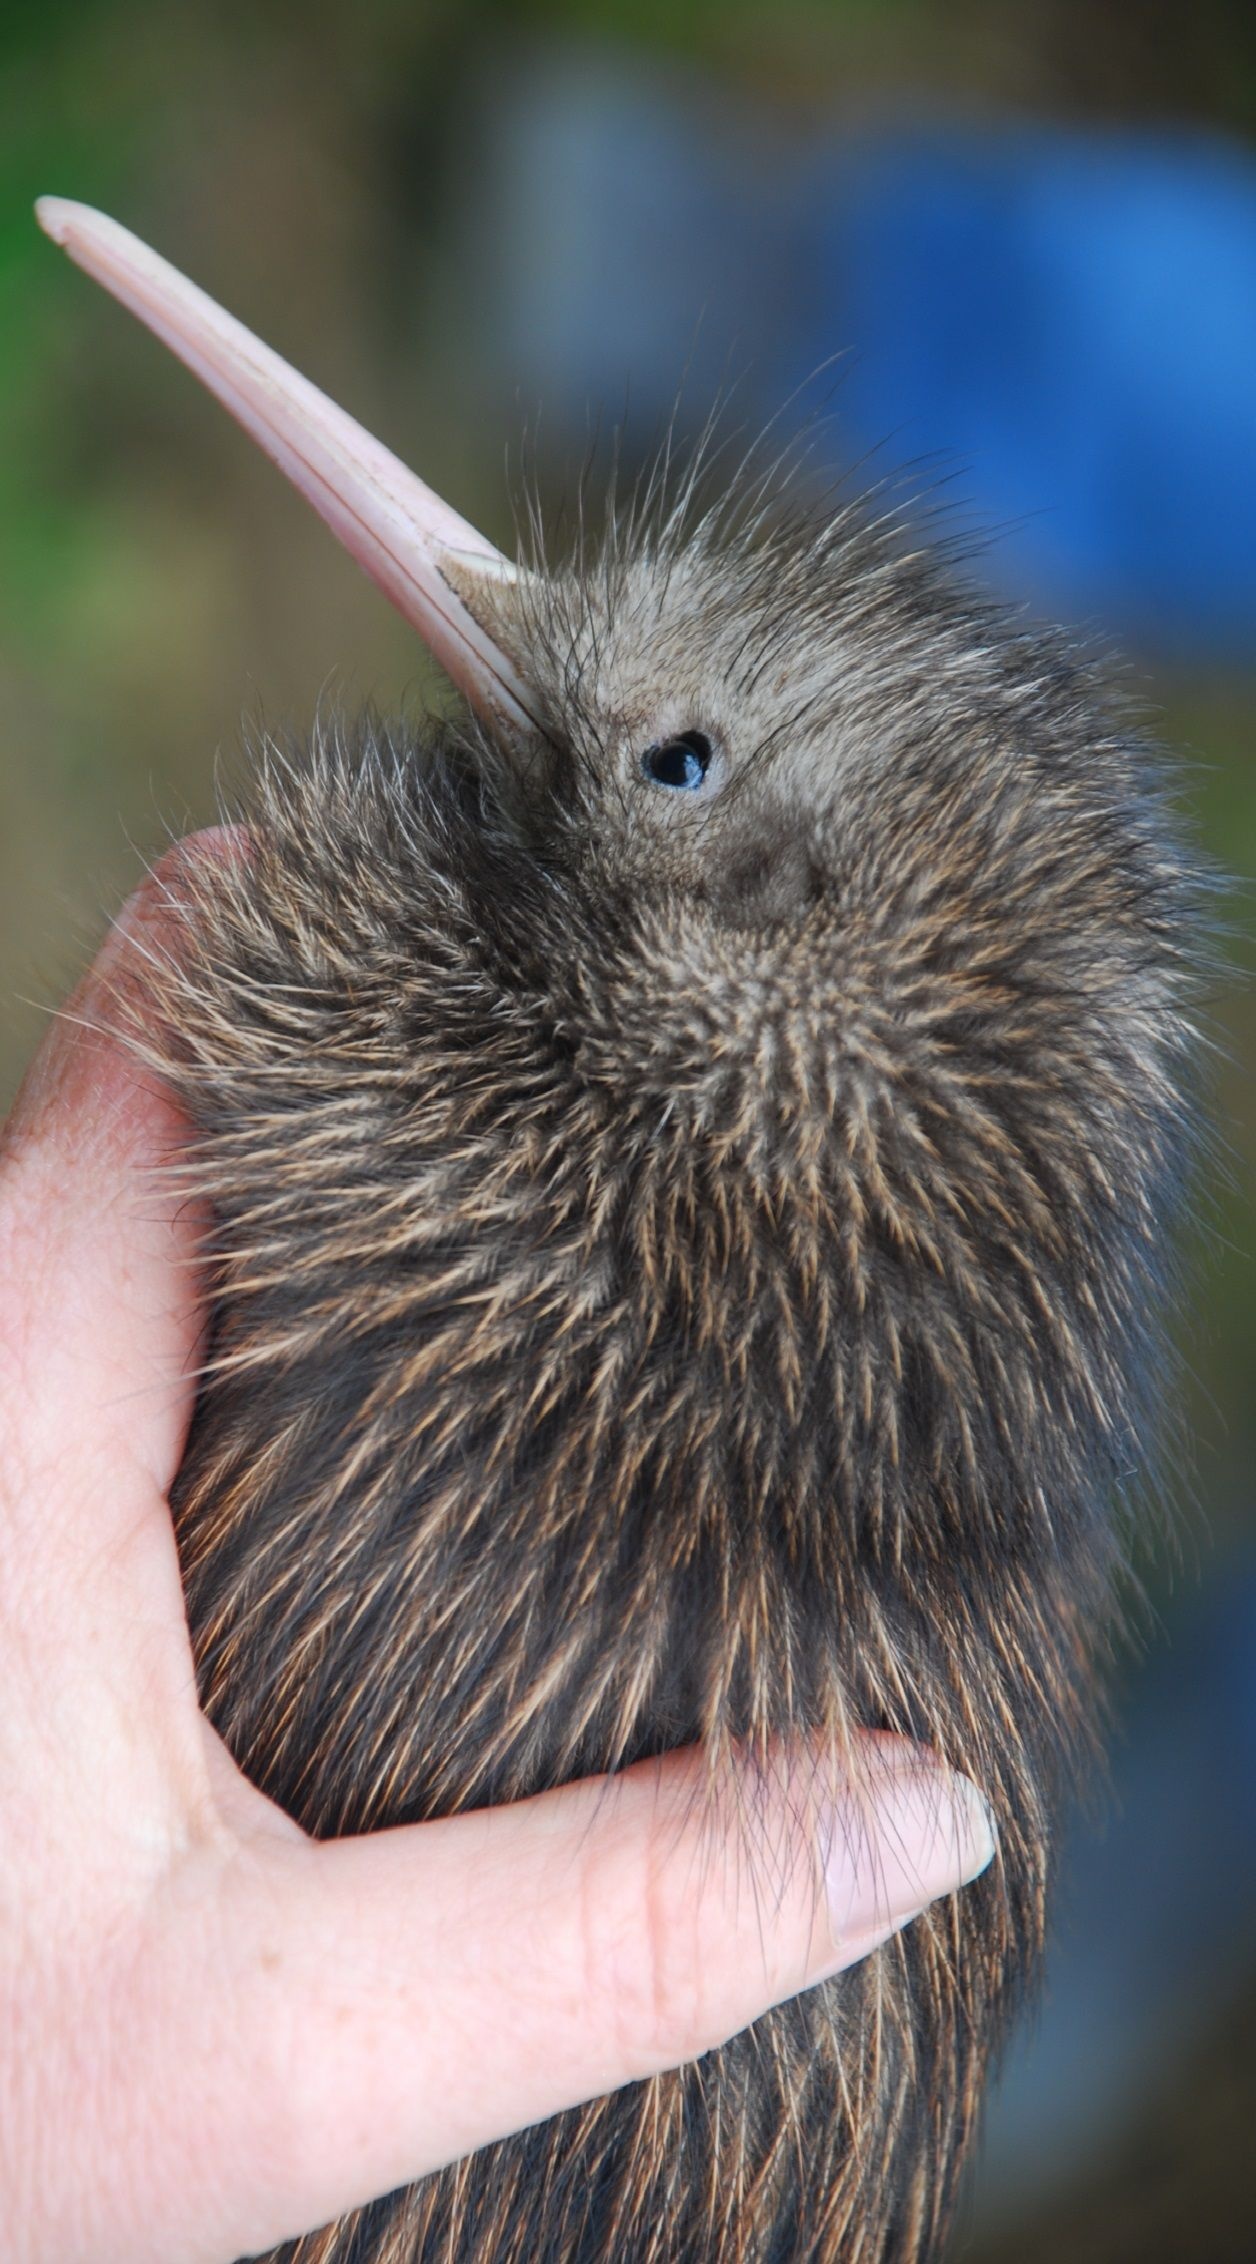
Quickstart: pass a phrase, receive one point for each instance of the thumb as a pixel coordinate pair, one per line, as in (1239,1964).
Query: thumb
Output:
(396,2001)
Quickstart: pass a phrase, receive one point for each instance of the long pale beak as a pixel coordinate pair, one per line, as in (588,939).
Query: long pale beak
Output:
(406,538)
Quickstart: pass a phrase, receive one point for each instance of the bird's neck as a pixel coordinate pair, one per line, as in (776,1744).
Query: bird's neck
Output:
(739,1037)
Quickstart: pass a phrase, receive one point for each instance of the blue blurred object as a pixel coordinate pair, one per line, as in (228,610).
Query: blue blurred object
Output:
(1062,325)
(1076,320)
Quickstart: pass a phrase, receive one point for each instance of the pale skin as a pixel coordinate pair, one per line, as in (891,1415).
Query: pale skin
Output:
(214,2033)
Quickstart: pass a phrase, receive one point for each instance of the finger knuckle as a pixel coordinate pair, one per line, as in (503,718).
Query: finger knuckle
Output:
(646,1962)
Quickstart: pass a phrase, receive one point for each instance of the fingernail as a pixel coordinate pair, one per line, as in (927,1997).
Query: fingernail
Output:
(905,1836)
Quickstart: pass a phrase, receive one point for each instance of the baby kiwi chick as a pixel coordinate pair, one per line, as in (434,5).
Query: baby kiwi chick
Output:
(691,1147)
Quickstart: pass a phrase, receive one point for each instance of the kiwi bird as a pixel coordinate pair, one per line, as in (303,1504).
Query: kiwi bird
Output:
(692,1145)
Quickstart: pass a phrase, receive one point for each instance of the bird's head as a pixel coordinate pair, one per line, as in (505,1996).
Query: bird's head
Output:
(694,708)
(681,742)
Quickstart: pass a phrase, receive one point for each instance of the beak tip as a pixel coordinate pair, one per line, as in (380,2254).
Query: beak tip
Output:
(55,216)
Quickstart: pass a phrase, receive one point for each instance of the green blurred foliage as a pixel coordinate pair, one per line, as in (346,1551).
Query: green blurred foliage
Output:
(302,160)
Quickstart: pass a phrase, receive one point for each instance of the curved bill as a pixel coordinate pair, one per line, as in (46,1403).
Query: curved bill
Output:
(386,518)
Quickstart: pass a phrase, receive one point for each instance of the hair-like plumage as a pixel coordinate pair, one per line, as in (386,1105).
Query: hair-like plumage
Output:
(694,1271)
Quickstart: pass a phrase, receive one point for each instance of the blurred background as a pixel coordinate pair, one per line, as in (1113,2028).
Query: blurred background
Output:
(1027,233)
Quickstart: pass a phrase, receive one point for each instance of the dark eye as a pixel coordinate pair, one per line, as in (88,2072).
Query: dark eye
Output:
(680,763)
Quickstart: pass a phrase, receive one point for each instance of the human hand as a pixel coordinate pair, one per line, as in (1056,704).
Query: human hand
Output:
(215,2033)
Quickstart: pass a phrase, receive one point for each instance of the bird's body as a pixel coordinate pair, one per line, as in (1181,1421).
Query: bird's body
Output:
(654,1306)
(691,1161)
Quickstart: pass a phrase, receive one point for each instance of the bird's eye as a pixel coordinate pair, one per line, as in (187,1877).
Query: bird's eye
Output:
(680,763)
